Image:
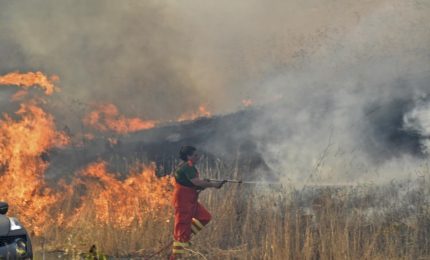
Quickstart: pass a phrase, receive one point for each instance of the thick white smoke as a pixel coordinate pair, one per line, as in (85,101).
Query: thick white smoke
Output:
(418,119)
(349,111)
(160,59)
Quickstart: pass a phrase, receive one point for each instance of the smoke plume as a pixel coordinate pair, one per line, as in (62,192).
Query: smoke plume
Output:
(344,84)
(355,109)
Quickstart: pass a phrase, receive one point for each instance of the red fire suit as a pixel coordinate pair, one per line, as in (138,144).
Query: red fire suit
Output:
(190,215)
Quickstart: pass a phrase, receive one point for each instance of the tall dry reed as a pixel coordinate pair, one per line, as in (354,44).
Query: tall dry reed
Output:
(390,221)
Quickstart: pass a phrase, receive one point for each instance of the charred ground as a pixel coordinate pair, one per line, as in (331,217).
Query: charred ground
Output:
(223,139)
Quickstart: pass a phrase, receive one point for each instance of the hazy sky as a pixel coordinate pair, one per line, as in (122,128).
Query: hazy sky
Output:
(159,59)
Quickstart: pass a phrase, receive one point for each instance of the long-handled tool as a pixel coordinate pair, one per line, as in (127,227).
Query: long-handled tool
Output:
(245,182)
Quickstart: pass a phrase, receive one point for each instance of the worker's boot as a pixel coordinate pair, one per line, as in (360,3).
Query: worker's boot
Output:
(196,226)
(179,249)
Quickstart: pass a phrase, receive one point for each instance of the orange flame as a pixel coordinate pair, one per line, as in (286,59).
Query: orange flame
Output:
(22,144)
(25,141)
(120,203)
(201,112)
(106,118)
(29,79)
(19,95)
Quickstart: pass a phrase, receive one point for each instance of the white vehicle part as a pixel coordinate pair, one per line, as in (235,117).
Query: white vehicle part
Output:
(14,224)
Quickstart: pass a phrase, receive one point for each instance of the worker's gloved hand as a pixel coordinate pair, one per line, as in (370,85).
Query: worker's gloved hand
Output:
(220,184)
(203,188)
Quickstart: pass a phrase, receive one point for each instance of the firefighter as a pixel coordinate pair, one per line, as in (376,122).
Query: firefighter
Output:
(190,215)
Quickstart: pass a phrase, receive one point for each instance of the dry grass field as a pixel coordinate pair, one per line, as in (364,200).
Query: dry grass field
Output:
(386,221)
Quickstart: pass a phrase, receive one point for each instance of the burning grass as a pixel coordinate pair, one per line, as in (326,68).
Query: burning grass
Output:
(268,222)
(30,79)
(131,215)
(107,118)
